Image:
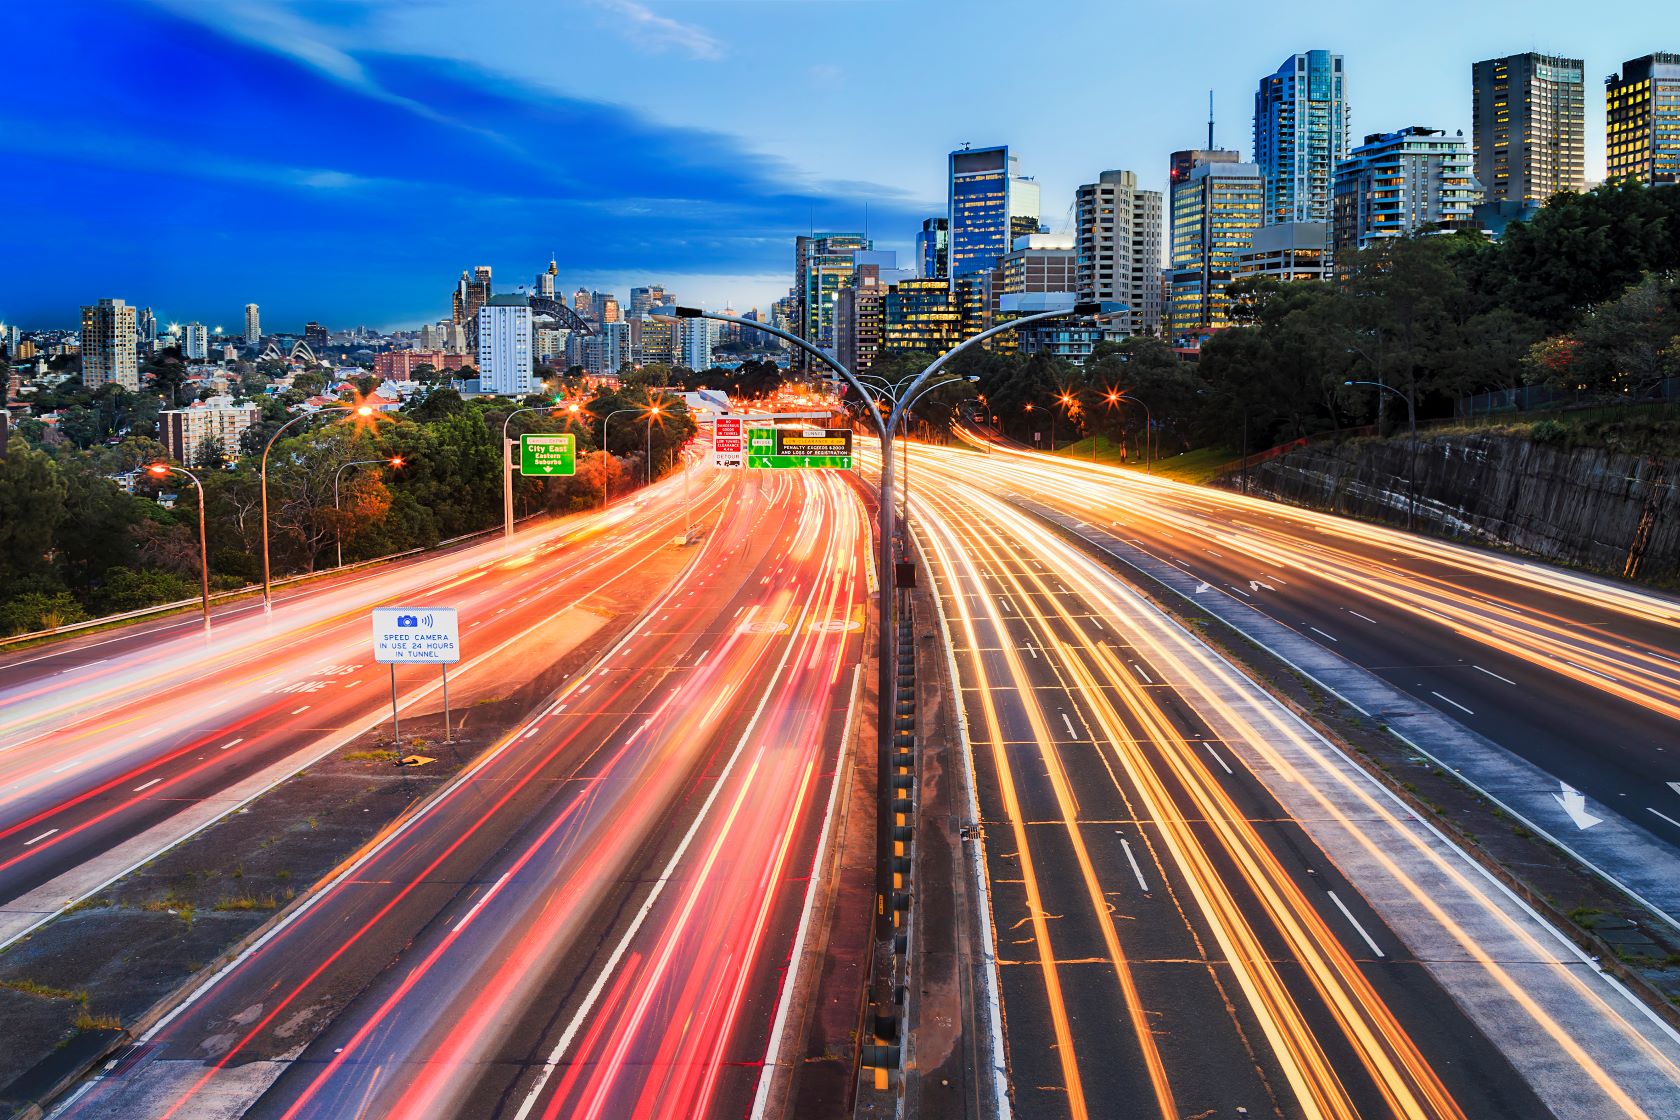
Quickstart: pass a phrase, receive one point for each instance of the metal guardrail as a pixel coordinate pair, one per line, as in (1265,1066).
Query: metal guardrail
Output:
(234,593)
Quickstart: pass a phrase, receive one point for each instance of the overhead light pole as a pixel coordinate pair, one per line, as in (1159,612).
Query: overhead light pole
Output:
(604,455)
(163,470)
(338,530)
(1148,427)
(1411,423)
(886,558)
(363,411)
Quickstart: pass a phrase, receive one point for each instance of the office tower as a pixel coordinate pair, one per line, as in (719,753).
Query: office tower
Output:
(195,342)
(990,204)
(545,280)
(654,341)
(920,314)
(784,313)
(218,421)
(606,306)
(1642,120)
(109,355)
(145,326)
(1397,183)
(1118,243)
(504,346)
(1040,262)
(1300,134)
(822,265)
(253,325)
(583,303)
(932,249)
(643,300)
(1288,252)
(1528,121)
(858,312)
(1216,208)
(315,337)
(694,343)
(607,350)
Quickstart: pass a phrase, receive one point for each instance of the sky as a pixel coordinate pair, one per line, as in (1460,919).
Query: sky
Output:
(345,160)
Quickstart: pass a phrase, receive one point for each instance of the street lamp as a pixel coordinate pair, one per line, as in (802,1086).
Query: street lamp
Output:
(604,456)
(1148,426)
(338,529)
(507,458)
(647,465)
(1411,422)
(162,470)
(885,668)
(364,411)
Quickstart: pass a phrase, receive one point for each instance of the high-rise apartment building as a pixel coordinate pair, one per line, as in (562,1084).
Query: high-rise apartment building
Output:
(1217,205)
(643,300)
(655,341)
(193,433)
(315,337)
(1117,230)
(857,318)
(990,204)
(1642,120)
(1300,134)
(822,265)
(109,351)
(195,342)
(504,346)
(933,245)
(694,343)
(253,325)
(607,350)
(1397,183)
(1528,121)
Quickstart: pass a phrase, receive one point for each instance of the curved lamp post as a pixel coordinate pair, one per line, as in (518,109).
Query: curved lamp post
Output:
(1148,427)
(338,530)
(1411,423)
(268,587)
(886,674)
(604,455)
(507,459)
(162,470)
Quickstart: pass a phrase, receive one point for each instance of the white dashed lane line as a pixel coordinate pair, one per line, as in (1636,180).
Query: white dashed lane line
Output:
(1493,674)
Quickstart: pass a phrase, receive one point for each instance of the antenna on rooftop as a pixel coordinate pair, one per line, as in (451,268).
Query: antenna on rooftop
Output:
(1210,120)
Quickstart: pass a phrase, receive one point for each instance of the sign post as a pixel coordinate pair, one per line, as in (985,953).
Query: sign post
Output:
(799,448)
(547,454)
(416,636)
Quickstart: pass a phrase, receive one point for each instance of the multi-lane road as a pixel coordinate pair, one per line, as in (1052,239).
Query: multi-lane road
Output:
(596,917)
(1197,905)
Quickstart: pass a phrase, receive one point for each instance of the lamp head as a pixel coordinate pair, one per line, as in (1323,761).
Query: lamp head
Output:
(364,410)
(158,469)
(396,460)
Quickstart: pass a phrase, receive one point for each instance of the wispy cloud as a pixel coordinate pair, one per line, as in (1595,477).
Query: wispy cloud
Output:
(659,32)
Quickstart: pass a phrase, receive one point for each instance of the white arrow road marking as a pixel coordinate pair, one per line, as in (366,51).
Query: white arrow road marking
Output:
(1574,803)
(1202,589)
(1675,786)
(1255,585)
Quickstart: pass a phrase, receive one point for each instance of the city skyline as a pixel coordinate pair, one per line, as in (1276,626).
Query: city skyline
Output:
(243,193)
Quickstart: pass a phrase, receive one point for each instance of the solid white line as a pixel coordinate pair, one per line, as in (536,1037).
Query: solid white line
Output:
(1136,870)
(1353,921)
(1665,817)
(147,785)
(40,838)
(1316,630)
(546,1070)
(767,1071)
(1454,703)
(1216,757)
(1493,674)
(233,742)
(1366,617)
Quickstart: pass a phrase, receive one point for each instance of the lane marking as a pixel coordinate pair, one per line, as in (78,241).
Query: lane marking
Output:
(1663,815)
(147,785)
(40,838)
(1217,759)
(1332,637)
(233,742)
(1366,617)
(1353,921)
(1141,673)
(1068,723)
(1453,702)
(301,710)
(1584,669)
(1136,870)
(479,905)
(1493,674)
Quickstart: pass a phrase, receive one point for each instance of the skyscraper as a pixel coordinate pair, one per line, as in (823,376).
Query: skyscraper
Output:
(933,249)
(920,315)
(583,302)
(253,325)
(1300,134)
(1118,240)
(504,345)
(315,336)
(1642,120)
(545,280)
(1397,183)
(195,342)
(145,326)
(643,300)
(822,265)
(108,346)
(1528,121)
(606,306)
(1216,207)
(694,343)
(990,205)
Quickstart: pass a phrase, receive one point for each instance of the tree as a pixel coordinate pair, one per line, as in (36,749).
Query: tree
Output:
(211,454)
(33,498)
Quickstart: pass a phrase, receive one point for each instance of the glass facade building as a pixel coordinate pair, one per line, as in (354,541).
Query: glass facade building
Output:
(991,204)
(1300,134)
(1402,182)
(1216,208)
(1529,124)
(932,248)
(1642,120)
(921,314)
(823,264)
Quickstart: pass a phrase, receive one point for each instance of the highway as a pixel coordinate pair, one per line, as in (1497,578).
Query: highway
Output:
(1578,675)
(1200,907)
(595,918)
(114,746)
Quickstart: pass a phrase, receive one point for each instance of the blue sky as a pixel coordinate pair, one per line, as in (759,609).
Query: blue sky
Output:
(344,160)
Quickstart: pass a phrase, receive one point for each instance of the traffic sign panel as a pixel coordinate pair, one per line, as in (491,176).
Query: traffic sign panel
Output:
(416,636)
(728,445)
(548,454)
(799,448)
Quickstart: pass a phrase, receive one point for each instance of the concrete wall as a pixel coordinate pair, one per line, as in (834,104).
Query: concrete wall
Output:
(1610,512)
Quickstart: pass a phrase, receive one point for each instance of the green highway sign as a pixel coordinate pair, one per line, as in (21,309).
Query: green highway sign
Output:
(799,448)
(545,455)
